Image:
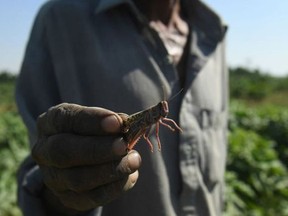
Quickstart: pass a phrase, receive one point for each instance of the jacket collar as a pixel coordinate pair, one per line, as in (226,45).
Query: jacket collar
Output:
(205,19)
(198,14)
(207,29)
(103,5)
(201,18)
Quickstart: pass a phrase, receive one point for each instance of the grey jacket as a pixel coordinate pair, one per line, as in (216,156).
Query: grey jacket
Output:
(103,53)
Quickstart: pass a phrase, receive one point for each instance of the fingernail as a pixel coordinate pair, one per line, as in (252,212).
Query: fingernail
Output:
(111,124)
(134,177)
(131,181)
(134,160)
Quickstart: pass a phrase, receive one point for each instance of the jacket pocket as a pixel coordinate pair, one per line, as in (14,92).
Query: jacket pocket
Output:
(212,146)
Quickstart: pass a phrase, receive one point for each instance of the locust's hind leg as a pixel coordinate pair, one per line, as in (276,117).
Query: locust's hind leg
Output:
(146,137)
(157,136)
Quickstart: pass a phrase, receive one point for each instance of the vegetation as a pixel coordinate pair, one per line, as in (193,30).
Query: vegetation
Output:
(258,88)
(256,177)
(13,145)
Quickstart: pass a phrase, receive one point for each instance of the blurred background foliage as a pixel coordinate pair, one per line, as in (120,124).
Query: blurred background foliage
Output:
(13,145)
(256,176)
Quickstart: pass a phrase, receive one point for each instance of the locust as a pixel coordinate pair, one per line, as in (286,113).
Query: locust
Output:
(139,125)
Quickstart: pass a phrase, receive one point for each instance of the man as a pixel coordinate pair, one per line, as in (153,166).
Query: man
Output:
(104,57)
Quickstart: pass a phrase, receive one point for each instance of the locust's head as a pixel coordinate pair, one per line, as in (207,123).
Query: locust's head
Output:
(164,109)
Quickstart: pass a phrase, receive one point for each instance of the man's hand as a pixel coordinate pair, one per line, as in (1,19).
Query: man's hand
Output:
(83,157)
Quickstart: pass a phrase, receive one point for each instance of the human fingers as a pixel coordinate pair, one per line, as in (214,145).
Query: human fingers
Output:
(73,118)
(68,150)
(85,178)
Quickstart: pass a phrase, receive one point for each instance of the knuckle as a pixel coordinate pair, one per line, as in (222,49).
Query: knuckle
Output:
(57,118)
(57,115)
(48,122)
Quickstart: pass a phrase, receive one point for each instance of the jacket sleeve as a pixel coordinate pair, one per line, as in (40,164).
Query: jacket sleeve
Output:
(36,91)
(37,87)
(33,96)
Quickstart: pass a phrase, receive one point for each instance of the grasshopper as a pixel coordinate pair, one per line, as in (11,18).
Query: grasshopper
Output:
(139,124)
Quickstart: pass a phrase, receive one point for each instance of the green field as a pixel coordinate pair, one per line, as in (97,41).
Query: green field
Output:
(256,177)
(13,146)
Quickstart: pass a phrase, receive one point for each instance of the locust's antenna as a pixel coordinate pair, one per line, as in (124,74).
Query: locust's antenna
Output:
(174,96)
